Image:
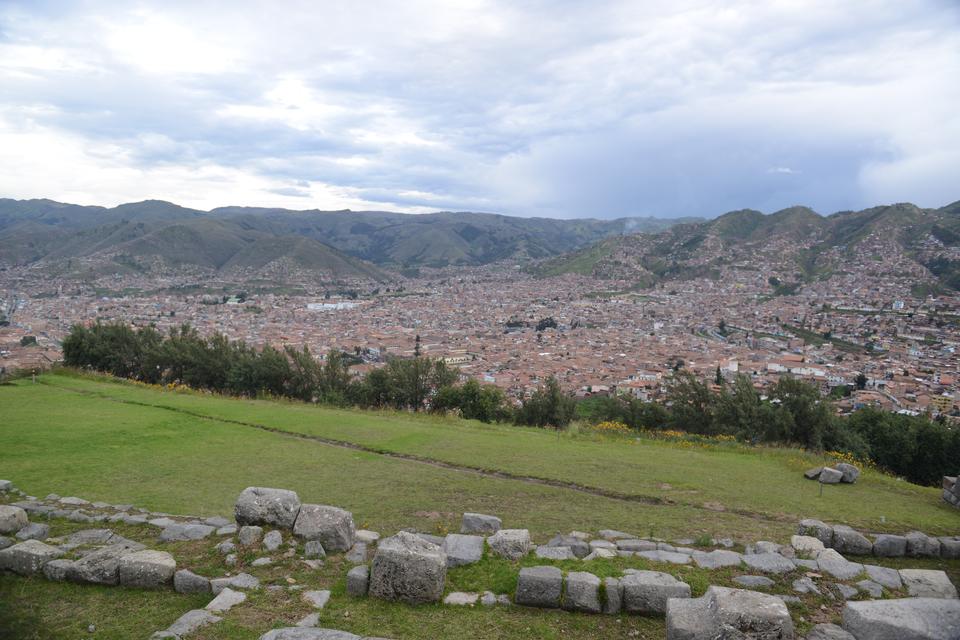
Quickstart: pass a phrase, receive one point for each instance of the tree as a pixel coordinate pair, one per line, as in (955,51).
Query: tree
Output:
(416,347)
(719,376)
(860,381)
(810,417)
(690,404)
(722,327)
(28,341)
(547,406)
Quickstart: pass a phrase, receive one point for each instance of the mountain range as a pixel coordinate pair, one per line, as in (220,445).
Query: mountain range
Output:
(153,236)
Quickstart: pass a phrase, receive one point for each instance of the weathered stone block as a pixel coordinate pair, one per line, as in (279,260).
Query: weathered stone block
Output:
(647,592)
(889,546)
(837,566)
(12,518)
(265,506)
(903,619)
(921,545)
(479,523)
(613,596)
(408,569)
(332,526)
(28,557)
(147,569)
(582,592)
(829,475)
(850,472)
(928,583)
(511,544)
(186,581)
(819,530)
(848,541)
(539,587)
(358,581)
(462,549)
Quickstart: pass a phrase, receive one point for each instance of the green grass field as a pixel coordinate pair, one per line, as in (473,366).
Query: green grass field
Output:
(119,442)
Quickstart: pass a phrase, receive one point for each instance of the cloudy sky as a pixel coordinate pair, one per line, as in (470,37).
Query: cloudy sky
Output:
(554,108)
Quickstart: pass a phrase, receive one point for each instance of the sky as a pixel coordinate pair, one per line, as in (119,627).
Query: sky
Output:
(562,109)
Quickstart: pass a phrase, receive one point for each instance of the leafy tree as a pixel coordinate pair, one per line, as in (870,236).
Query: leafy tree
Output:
(809,416)
(860,381)
(547,406)
(690,404)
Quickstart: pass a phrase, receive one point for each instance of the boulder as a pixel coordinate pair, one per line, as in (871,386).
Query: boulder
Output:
(185,532)
(950,547)
(889,578)
(57,570)
(578,547)
(357,553)
(28,557)
(408,569)
(462,549)
(317,599)
(511,544)
(226,547)
(754,582)
(554,553)
(309,633)
(769,562)
(729,614)
(812,474)
(717,559)
(6,542)
(243,581)
(6,485)
(273,540)
(250,535)
(601,553)
(186,581)
(461,599)
(479,523)
(263,506)
(837,566)
(314,549)
(807,545)
(665,556)
(850,472)
(226,600)
(101,566)
(188,623)
(903,619)
(613,592)
(928,583)
(147,569)
(889,546)
(920,545)
(358,581)
(539,587)
(332,526)
(829,475)
(817,529)
(846,540)
(828,632)
(871,588)
(647,592)
(805,585)
(367,537)
(34,531)
(581,592)
(628,545)
(12,518)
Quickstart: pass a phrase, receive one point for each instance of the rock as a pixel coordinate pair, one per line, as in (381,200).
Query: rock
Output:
(829,475)
(314,549)
(91,536)
(812,474)
(432,539)
(230,560)
(188,623)
(217,521)
(243,581)
(358,553)
(613,591)
(903,619)
(577,546)
(332,526)
(850,472)
(754,582)
(647,592)
(101,566)
(6,485)
(762,546)
(250,535)
(661,546)
(817,529)
(358,580)
(729,614)
(228,530)
(889,546)
(57,570)
(511,544)
(889,578)
(554,553)
(184,532)
(928,583)
(461,599)
(74,501)
(539,587)
(462,549)
(308,633)
(408,569)
(264,506)
(478,523)
(226,547)
(788,600)
(921,545)
(318,599)
(162,523)
(807,545)
(805,585)
(629,545)
(871,588)
(606,544)
(186,581)
(147,569)
(581,592)
(769,563)
(311,620)
(366,536)
(665,556)
(846,540)
(601,553)
(226,600)
(807,564)
(845,591)
(828,632)
(717,559)
(837,566)
(950,547)
(12,518)
(613,534)
(262,562)
(488,599)
(6,542)
(34,531)
(272,541)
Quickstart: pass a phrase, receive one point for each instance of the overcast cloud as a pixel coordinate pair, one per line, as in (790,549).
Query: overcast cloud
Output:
(564,109)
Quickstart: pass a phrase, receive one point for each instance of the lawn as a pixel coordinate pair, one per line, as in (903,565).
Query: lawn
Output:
(117,442)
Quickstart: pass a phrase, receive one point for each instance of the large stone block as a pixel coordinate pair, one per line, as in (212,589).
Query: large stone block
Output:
(539,587)
(57,570)
(920,545)
(613,591)
(462,549)
(332,526)
(309,633)
(409,569)
(28,557)
(147,569)
(12,518)
(769,562)
(717,559)
(837,566)
(511,544)
(101,566)
(829,475)
(261,505)
(358,581)
(647,592)
(578,547)
(817,529)
(889,546)
(582,592)
(950,547)
(479,523)
(850,472)
(729,614)
(186,581)
(928,583)
(903,619)
(848,541)
(185,532)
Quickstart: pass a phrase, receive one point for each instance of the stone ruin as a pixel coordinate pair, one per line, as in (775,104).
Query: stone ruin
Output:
(951,491)
(411,568)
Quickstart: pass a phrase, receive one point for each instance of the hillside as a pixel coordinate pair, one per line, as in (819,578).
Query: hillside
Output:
(795,245)
(155,234)
(189,453)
